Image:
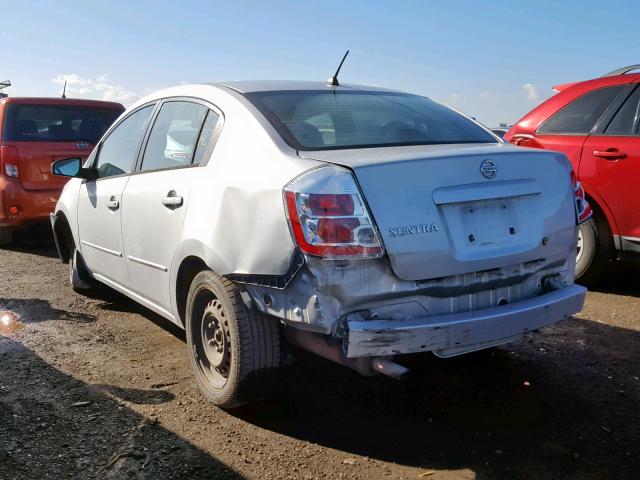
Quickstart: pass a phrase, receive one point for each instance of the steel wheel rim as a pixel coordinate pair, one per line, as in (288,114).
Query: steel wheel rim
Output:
(214,345)
(579,246)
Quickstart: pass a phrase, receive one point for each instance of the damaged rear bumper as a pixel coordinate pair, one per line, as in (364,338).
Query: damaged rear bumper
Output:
(458,333)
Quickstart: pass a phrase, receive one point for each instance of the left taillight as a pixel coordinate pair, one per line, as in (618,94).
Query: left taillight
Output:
(328,215)
(583,209)
(9,161)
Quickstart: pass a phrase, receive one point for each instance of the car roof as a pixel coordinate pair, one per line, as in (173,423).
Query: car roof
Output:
(60,101)
(605,81)
(249,86)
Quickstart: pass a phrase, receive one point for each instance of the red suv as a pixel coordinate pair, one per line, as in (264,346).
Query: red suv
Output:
(595,123)
(35,132)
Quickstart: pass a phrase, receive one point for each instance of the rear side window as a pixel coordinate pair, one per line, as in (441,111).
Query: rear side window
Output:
(625,120)
(207,137)
(580,116)
(337,119)
(57,123)
(174,136)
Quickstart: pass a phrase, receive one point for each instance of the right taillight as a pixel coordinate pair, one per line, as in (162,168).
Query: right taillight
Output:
(328,216)
(9,161)
(583,209)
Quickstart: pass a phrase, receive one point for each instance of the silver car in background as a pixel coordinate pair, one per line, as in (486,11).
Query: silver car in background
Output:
(359,223)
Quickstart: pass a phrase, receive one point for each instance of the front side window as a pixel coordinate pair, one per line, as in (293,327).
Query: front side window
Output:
(580,116)
(119,150)
(57,123)
(174,136)
(338,119)
(625,120)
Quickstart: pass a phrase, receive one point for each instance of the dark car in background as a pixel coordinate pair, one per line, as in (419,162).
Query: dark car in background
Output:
(34,133)
(596,124)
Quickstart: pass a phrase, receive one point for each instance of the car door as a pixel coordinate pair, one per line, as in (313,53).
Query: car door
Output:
(99,201)
(610,166)
(155,198)
(567,129)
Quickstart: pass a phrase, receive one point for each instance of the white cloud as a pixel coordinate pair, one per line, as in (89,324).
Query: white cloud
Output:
(99,87)
(531,91)
(485,95)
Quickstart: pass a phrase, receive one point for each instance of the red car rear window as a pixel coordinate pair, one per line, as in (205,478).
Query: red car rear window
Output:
(56,123)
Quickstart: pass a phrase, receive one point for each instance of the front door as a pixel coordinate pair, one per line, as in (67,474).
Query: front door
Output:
(611,167)
(156,197)
(100,200)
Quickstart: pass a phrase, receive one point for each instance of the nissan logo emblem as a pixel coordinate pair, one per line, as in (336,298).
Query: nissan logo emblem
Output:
(488,169)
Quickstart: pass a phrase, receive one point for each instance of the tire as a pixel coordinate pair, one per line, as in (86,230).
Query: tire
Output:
(594,250)
(234,350)
(6,236)
(79,278)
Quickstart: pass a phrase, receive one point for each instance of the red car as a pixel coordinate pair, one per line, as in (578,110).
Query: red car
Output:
(35,132)
(595,123)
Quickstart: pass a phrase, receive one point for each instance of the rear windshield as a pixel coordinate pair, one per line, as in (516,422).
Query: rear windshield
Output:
(328,120)
(56,123)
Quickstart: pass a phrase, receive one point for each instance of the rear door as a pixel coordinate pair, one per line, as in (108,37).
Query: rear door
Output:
(155,199)
(99,201)
(567,129)
(610,165)
(44,133)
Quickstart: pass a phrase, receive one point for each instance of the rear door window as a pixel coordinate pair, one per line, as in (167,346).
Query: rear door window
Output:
(580,116)
(174,136)
(625,121)
(57,123)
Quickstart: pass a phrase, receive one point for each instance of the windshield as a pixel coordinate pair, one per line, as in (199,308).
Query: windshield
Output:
(327,120)
(57,123)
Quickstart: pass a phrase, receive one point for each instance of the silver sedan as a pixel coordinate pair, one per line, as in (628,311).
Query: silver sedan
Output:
(359,223)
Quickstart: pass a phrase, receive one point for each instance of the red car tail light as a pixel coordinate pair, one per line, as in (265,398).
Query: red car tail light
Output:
(9,161)
(583,209)
(328,216)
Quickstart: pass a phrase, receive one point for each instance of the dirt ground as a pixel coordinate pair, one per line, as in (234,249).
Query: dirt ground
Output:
(101,388)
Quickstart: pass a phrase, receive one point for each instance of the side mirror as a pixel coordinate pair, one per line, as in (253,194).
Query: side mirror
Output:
(72,167)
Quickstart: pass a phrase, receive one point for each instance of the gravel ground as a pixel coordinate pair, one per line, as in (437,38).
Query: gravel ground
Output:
(101,388)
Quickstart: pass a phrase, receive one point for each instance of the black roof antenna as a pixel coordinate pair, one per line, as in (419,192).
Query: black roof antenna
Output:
(64,90)
(333,81)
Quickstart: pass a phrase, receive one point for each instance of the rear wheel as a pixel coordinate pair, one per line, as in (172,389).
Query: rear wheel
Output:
(593,250)
(234,350)
(6,236)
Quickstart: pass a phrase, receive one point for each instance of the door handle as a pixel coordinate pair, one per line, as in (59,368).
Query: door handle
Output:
(172,200)
(113,204)
(610,154)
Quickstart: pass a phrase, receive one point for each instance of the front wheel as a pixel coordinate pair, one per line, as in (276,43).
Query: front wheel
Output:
(79,278)
(234,350)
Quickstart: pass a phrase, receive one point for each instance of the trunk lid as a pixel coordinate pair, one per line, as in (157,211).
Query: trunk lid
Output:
(451,209)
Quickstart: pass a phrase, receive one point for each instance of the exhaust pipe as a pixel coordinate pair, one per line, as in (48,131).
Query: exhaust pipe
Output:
(389,368)
(319,344)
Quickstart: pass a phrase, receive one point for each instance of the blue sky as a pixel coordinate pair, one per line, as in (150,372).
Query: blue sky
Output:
(494,60)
